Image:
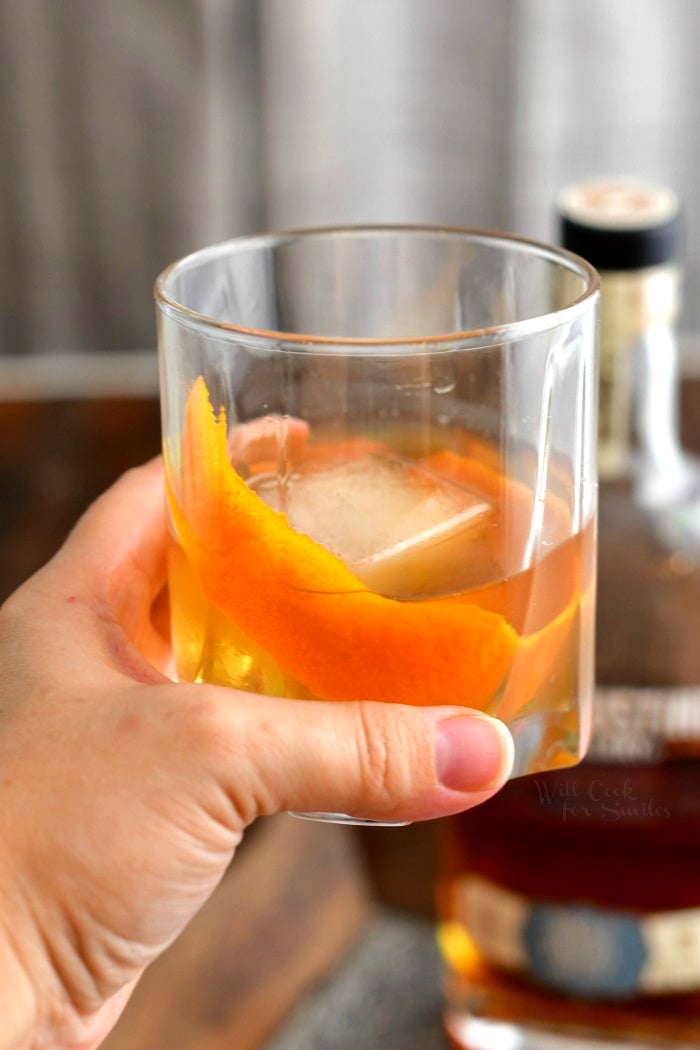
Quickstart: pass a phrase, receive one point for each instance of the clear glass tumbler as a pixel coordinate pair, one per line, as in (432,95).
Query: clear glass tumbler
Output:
(380,468)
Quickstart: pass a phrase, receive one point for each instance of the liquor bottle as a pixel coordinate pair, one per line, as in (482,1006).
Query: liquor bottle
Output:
(570,903)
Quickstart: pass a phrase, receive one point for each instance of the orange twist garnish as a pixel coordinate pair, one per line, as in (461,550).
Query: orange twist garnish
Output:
(305,608)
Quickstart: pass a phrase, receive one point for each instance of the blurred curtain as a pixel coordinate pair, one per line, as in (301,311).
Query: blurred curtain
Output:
(128,135)
(132,132)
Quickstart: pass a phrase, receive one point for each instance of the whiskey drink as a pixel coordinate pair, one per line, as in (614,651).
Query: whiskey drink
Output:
(366,571)
(570,903)
(380,464)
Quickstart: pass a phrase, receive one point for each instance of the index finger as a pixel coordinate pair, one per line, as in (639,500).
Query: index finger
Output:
(116,555)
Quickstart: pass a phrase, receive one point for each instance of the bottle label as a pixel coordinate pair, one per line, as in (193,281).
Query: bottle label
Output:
(581,950)
(631,302)
(634,724)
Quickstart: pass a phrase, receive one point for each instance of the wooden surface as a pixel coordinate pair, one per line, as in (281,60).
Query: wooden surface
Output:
(56,456)
(286,913)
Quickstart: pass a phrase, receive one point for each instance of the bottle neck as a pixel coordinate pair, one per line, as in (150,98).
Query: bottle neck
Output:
(638,407)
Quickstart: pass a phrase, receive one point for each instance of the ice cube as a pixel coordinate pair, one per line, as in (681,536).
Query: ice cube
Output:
(403,530)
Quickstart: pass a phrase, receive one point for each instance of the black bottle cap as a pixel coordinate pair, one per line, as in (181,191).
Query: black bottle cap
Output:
(620,223)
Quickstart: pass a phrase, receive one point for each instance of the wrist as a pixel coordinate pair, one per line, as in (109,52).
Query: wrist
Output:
(37,1011)
(31,995)
(18,1008)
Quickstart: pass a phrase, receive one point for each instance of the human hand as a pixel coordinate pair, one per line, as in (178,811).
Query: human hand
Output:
(123,796)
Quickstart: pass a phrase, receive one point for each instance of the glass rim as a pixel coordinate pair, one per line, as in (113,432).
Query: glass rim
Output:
(298,340)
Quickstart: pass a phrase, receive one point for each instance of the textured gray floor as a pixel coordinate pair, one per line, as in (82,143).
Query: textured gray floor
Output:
(386,996)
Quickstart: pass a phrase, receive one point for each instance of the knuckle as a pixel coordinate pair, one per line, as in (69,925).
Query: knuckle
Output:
(381,753)
(205,727)
(199,719)
(216,741)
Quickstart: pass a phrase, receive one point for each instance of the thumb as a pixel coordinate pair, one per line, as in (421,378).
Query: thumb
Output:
(378,761)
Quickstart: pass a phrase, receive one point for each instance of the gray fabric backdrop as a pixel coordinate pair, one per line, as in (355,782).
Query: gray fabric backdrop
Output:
(133,131)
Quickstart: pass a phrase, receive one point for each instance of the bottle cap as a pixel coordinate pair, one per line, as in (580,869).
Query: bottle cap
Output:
(620,223)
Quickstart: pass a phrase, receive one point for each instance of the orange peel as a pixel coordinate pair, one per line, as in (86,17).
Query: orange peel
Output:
(305,608)
(545,619)
(538,656)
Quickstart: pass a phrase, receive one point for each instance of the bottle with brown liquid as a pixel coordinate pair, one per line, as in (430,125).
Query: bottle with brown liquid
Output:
(570,903)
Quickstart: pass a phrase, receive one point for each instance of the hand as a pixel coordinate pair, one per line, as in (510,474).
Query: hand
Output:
(123,796)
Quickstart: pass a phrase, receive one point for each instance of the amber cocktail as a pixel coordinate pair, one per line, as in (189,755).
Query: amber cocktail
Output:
(379,449)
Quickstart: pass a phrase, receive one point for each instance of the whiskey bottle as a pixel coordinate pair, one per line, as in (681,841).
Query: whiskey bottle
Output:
(570,903)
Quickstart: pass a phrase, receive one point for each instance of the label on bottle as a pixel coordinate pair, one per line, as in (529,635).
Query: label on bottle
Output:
(632,301)
(634,724)
(579,949)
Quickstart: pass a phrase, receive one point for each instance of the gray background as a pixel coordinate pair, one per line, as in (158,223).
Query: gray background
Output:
(132,132)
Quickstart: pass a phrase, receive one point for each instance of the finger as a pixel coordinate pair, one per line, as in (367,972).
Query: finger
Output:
(372,760)
(115,557)
(95,595)
(272,438)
